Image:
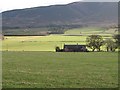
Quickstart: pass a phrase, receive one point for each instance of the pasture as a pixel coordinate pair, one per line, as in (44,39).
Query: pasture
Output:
(60,70)
(49,42)
(40,43)
(91,30)
(30,62)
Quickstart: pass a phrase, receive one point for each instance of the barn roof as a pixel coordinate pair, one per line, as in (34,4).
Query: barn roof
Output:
(74,46)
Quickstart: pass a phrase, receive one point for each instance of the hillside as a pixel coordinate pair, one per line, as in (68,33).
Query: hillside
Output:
(78,13)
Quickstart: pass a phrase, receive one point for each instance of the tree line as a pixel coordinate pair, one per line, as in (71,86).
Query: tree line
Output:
(95,42)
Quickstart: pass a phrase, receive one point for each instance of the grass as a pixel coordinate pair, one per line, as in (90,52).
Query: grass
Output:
(91,30)
(40,43)
(84,30)
(60,70)
(27,31)
(24,66)
(48,43)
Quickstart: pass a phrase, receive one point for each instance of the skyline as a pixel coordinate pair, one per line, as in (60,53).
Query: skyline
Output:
(21,4)
(6,5)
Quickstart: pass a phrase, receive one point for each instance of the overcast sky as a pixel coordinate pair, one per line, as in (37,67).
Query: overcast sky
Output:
(20,4)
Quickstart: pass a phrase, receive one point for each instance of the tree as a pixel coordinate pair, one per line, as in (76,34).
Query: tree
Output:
(94,42)
(110,45)
(117,39)
(57,49)
(1,36)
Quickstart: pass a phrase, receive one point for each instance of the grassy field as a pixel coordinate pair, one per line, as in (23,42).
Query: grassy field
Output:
(91,30)
(26,66)
(75,31)
(48,43)
(60,70)
(27,31)
(40,43)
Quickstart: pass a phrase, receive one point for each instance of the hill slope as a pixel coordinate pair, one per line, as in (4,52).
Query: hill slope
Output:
(80,13)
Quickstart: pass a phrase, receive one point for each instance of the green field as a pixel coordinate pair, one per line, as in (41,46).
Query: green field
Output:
(40,43)
(31,62)
(74,31)
(91,30)
(49,42)
(26,31)
(60,70)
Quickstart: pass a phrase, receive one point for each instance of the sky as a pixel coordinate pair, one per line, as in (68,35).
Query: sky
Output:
(20,4)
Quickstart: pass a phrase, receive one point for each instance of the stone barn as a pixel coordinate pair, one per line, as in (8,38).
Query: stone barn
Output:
(74,48)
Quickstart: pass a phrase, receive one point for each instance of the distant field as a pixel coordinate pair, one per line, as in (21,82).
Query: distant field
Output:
(75,31)
(40,43)
(60,70)
(27,31)
(48,43)
(91,30)
(85,31)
